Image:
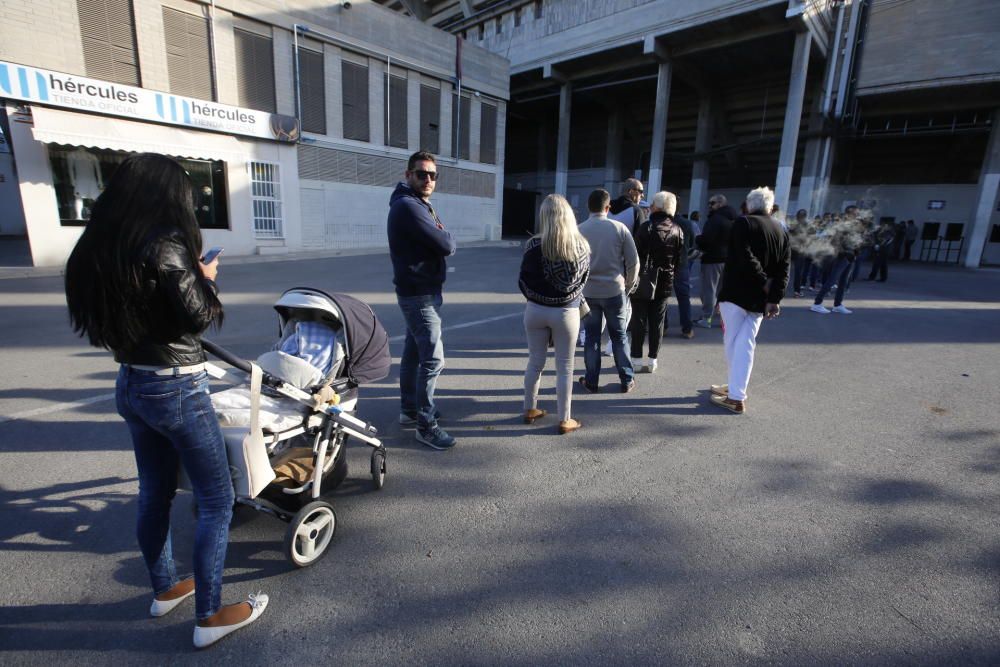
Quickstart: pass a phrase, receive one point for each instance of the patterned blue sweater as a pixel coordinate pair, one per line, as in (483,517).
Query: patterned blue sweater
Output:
(554,284)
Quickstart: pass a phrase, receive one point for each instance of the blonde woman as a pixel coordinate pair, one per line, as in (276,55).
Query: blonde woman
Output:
(554,269)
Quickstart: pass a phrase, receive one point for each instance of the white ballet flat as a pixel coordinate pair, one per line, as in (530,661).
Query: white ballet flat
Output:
(207,636)
(164,607)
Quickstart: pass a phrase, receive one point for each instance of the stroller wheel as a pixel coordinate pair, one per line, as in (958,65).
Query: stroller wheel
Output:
(378,468)
(310,533)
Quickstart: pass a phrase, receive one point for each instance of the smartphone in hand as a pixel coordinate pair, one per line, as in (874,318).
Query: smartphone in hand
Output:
(211,255)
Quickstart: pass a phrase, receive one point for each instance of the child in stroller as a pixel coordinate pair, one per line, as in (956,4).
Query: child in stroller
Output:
(299,408)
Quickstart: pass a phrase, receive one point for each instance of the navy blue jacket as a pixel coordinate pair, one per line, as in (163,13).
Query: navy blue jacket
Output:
(418,244)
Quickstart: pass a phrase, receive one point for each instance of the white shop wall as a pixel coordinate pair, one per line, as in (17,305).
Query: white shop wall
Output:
(343,216)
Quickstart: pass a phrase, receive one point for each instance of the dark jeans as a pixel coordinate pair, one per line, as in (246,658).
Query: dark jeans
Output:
(840,271)
(648,317)
(613,310)
(803,265)
(880,264)
(173,424)
(423,356)
(682,290)
(907,248)
(863,254)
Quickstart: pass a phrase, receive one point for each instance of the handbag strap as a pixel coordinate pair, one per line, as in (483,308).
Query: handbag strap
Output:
(256,378)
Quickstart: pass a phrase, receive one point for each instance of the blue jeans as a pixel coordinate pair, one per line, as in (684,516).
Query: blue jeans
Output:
(839,273)
(613,310)
(173,424)
(423,356)
(682,290)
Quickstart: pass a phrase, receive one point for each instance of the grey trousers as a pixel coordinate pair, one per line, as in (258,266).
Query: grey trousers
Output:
(563,325)
(711,275)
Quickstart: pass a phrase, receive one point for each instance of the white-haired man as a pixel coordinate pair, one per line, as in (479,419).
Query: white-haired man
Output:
(753,283)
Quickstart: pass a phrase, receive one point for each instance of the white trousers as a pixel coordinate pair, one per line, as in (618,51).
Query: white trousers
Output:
(740,329)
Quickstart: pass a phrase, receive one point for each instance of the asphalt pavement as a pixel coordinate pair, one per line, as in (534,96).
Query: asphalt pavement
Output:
(852,516)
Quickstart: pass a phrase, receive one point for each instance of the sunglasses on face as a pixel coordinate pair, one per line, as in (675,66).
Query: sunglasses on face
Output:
(425,175)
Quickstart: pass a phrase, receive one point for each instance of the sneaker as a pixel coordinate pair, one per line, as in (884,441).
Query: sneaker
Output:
(819,308)
(593,389)
(640,366)
(410,418)
(628,386)
(842,309)
(702,324)
(798,295)
(651,368)
(720,389)
(728,404)
(435,437)
(687,334)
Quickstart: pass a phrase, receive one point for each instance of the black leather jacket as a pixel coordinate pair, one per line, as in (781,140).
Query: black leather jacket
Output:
(178,303)
(662,240)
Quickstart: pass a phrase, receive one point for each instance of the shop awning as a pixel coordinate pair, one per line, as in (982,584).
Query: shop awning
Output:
(52,126)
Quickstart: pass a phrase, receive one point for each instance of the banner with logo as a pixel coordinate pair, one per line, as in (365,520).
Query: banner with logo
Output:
(31,84)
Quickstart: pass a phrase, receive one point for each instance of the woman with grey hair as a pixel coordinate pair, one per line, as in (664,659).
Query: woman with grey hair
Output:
(554,269)
(753,283)
(660,244)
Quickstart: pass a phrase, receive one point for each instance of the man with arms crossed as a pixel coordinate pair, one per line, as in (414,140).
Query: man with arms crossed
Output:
(753,283)
(614,271)
(418,244)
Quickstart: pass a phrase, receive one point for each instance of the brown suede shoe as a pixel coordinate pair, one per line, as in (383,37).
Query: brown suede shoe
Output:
(729,404)
(531,415)
(720,389)
(569,426)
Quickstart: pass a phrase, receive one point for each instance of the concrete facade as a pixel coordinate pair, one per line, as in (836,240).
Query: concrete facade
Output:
(352,208)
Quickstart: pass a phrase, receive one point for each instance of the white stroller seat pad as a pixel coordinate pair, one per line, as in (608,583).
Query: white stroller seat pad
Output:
(277,413)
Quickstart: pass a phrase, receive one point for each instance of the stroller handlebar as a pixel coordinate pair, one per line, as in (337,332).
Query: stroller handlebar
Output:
(225,355)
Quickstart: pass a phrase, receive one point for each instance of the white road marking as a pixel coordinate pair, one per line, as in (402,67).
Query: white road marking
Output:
(110,397)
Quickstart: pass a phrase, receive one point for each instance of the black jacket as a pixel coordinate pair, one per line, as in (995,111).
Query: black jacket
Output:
(418,244)
(714,239)
(662,242)
(554,284)
(622,204)
(756,271)
(180,304)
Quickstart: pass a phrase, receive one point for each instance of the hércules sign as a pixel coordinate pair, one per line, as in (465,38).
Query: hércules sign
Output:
(31,84)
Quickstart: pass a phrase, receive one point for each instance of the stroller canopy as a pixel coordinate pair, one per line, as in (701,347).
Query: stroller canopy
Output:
(366,341)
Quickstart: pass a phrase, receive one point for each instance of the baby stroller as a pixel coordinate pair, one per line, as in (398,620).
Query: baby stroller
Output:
(301,403)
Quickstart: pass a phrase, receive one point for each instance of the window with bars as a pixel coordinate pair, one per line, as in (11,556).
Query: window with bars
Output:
(107,30)
(254,71)
(488,134)
(355,100)
(461,116)
(265,194)
(395,118)
(312,91)
(189,58)
(430,119)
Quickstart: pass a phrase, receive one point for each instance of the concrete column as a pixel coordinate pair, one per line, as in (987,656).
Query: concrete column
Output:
(698,199)
(809,180)
(413,119)
(793,117)
(663,77)
(562,149)
(444,129)
(376,102)
(986,196)
(284,71)
(613,151)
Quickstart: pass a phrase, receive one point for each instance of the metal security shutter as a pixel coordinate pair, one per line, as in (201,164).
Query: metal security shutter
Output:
(430,119)
(312,91)
(462,128)
(107,30)
(355,95)
(255,71)
(488,135)
(395,117)
(189,59)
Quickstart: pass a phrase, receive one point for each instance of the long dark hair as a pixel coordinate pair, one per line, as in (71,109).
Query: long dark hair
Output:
(149,197)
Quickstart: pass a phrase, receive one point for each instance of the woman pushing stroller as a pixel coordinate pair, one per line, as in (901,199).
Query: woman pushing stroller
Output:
(135,286)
